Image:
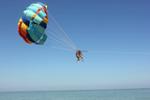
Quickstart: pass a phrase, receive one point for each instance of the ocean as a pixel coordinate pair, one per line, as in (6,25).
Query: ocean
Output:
(118,94)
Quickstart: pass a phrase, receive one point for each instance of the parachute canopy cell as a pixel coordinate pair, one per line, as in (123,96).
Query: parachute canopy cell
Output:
(32,24)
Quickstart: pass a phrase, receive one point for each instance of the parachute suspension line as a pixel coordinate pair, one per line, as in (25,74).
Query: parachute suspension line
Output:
(62,46)
(59,42)
(66,49)
(62,37)
(63,33)
(59,39)
(55,33)
(61,30)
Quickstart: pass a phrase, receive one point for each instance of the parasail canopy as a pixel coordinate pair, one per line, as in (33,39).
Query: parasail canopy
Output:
(32,27)
(32,24)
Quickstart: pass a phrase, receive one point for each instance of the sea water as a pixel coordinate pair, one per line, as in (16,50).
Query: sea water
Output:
(122,94)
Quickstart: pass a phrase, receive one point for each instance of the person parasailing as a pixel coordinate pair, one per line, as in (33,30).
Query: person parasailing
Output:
(79,55)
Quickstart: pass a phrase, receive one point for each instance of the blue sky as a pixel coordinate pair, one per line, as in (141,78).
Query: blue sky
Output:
(116,34)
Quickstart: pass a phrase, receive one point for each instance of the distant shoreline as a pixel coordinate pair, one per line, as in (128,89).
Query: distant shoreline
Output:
(73,90)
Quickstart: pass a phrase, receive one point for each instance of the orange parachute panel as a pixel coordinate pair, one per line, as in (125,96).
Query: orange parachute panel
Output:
(45,20)
(22,29)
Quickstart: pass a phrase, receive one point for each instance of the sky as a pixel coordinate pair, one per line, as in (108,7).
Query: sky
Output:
(115,33)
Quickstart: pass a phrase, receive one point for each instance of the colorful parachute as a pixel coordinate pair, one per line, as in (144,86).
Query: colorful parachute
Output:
(33,23)
(32,26)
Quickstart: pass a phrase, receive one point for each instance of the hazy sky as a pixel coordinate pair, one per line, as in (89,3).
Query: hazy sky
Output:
(116,34)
